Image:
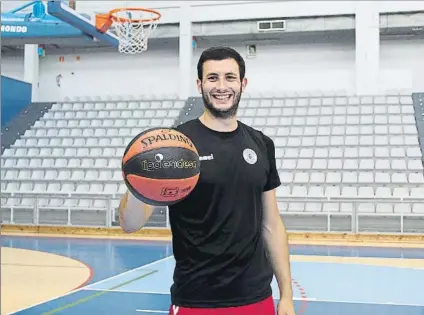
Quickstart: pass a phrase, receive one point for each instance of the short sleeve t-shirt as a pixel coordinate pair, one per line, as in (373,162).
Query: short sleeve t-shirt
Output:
(218,246)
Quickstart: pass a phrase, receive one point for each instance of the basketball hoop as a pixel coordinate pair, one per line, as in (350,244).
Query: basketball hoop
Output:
(133,27)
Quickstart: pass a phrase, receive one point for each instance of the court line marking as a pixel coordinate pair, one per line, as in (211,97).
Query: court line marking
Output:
(114,281)
(304,298)
(365,302)
(151,311)
(310,299)
(93,296)
(101,281)
(171,256)
(42,266)
(129,271)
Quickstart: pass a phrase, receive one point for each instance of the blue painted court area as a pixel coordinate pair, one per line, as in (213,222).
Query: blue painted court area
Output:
(133,277)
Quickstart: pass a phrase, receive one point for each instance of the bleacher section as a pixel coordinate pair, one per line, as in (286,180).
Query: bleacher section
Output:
(77,148)
(342,160)
(354,148)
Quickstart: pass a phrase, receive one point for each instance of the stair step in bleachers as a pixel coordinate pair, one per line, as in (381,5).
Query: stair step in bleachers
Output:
(418,103)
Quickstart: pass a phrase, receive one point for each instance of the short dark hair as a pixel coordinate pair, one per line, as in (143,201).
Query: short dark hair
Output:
(220,53)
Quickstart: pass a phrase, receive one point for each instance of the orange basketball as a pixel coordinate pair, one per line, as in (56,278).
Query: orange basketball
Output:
(161,166)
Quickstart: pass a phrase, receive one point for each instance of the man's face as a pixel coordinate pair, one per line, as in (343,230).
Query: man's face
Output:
(221,87)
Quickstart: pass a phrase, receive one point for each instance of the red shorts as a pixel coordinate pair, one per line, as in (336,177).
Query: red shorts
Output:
(264,307)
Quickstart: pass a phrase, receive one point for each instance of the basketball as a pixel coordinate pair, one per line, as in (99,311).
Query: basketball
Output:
(161,166)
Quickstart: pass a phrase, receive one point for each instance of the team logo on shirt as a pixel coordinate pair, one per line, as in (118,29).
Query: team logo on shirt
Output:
(250,156)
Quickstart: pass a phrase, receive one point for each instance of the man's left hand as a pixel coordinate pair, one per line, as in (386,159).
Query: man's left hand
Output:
(286,307)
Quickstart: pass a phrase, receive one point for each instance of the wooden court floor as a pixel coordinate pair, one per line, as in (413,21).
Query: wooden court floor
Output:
(29,277)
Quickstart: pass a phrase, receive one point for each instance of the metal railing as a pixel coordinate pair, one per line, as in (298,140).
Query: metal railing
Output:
(353,220)
(37,208)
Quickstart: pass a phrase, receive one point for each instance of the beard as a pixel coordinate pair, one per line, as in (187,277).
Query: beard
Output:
(218,112)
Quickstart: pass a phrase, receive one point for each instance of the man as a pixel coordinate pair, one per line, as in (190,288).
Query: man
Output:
(228,237)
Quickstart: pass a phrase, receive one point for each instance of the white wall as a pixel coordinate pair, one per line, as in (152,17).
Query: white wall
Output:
(13,66)
(280,68)
(277,68)
(110,73)
(402,64)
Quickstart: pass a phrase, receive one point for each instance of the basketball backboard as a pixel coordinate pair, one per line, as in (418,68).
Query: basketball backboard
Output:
(59,22)
(64,12)
(49,22)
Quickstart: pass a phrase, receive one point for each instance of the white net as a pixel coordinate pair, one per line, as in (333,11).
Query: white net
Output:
(134,36)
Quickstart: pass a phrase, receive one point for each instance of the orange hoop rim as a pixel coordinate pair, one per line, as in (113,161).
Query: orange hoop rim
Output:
(121,19)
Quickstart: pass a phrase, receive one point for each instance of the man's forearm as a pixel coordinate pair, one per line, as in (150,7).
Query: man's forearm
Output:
(276,240)
(133,213)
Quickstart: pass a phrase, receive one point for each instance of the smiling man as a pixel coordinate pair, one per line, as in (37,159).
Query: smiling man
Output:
(228,237)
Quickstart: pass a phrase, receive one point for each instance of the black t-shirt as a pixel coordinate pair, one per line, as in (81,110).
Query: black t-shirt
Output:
(218,246)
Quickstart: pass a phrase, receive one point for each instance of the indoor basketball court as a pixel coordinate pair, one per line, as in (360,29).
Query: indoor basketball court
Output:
(114,276)
(69,275)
